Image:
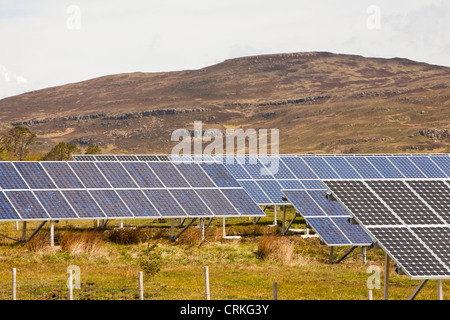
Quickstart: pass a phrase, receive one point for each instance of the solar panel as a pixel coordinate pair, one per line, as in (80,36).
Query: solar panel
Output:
(298,167)
(419,240)
(385,167)
(62,175)
(304,204)
(291,184)
(105,158)
(190,202)
(27,205)
(126,158)
(34,175)
(276,167)
(10,178)
(242,202)
(219,174)
(364,168)
(168,174)
(117,176)
(406,167)
(342,167)
(88,173)
(328,231)
(273,190)
(254,167)
(7,212)
(165,203)
(217,202)
(55,204)
(84,204)
(235,168)
(147,158)
(195,175)
(111,204)
(320,168)
(255,191)
(429,169)
(138,203)
(142,174)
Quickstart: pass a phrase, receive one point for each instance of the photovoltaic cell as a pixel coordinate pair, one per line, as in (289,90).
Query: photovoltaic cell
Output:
(62,175)
(10,178)
(55,204)
(88,173)
(235,168)
(190,202)
(331,208)
(298,167)
(328,231)
(126,158)
(342,167)
(7,211)
(276,167)
(219,175)
(302,201)
(385,167)
(27,205)
(443,162)
(313,184)
(364,168)
(83,204)
(34,175)
(273,190)
(255,192)
(254,167)
(147,158)
(320,168)
(406,167)
(291,184)
(194,174)
(142,174)
(139,205)
(165,203)
(437,239)
(117,176)
(168,174)
(355,233)
(428,167)
(111,204)
(217,202)
(242,202)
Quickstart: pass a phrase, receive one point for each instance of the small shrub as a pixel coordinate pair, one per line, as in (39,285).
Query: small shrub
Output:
(150,263)
(88,242)
(278,249)
(39,243)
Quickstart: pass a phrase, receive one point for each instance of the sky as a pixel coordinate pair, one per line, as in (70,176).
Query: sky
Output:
(45,43)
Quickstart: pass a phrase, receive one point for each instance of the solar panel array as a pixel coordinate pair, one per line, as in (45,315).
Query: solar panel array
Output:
(120,189)
(409,219)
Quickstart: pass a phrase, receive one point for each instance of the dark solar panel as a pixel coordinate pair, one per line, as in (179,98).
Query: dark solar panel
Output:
(138,203)
(55,204)
(217,202)
(83,204)
(88,173)
(10,178)
(27,205)
(62,175)
(34,175)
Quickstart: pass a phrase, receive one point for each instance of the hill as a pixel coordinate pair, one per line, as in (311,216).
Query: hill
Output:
(321,102)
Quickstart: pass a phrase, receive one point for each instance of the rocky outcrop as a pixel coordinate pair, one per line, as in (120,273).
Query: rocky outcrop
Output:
(435,133)
(111,116)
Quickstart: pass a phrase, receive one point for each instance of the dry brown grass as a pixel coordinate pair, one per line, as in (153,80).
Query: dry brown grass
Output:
(87,242)
(190,236)
(127,236)
(279,249)
(40,243)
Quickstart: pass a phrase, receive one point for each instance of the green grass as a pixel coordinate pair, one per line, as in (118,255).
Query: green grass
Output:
(236,272)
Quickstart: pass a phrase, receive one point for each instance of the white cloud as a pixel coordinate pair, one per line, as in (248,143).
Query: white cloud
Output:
(11,83)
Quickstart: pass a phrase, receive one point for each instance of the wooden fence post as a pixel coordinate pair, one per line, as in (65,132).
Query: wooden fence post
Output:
(141,285)
(207,293)
(14,284)
(275,291)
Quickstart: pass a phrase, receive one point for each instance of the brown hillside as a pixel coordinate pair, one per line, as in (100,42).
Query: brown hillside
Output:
(321,102)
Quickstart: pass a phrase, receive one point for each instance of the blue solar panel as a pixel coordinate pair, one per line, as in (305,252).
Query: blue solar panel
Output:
(10,178)
(364,168)
(428,167)
(291,184)
(355,233)
(254,167)
(142,174)
(235,168)
(165,203)
(257,194)
(137,202)
(328,231)
(385,167)
(298,167)
(320,167)
(273,190)
(34,175)
(217,202)
(168,174)
(62,175)
(111,204)
(89,174)
(26,205)
(116,174)
(443,162)
(406,167)
(7,211)
(342,167)
(55,204)
(242,202)
(194,174)
(331,208)
(83,204)
(190,202)
(313,185)
(276,167)
(301,200)
(219,175)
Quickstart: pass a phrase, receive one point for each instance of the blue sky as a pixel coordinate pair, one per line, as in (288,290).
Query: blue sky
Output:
(46,43)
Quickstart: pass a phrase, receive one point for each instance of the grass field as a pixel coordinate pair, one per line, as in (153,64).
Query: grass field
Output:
(109,261)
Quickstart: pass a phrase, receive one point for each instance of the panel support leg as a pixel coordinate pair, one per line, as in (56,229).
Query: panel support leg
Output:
(275,215)
(224,234)
(202,225)
(121,224)
(283,224)
(173,238)
(331,255)
(364,254)
(182,220)
(440,291)
(418,288)
(172,227)
(345,256)
(386,277)
(52,233)
(290,223)
(24,231)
